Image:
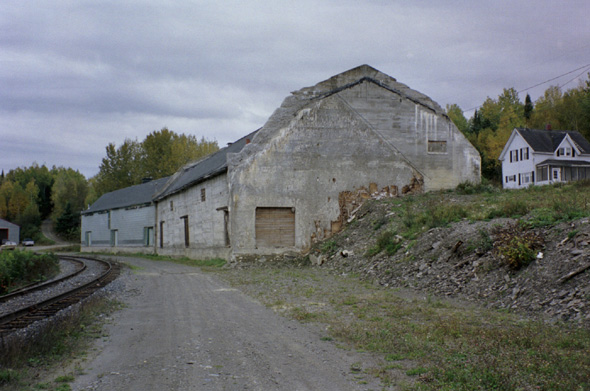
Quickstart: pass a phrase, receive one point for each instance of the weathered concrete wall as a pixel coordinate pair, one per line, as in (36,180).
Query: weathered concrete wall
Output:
(206,221)
(423,135)
(325,151)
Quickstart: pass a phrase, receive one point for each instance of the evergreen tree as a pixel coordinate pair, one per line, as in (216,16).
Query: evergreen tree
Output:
(528,109)
(68,224)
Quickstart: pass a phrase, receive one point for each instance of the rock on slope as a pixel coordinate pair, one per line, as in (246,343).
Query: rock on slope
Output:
(462,261)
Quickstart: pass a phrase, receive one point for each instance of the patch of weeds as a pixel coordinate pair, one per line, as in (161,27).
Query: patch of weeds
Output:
(511,207)
(483,244)
(54,344)
(387,241)
(380,222)
(205,263)
(64,379)
(417,371)
(471,188)
(573,233)
(302,314)
(8,375)
(394,357)
(326,339)
(329,247)
(516,245)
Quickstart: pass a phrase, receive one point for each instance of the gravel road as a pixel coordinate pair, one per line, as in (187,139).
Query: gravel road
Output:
(185,330)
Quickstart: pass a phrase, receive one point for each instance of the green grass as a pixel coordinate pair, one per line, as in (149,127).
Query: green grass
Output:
(438,345)
(202,263)
(539,206)
(29,366)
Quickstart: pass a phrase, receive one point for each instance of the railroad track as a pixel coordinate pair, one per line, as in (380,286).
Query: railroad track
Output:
(46,308)
(80,267)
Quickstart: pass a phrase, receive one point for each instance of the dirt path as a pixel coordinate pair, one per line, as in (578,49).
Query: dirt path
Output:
(184,330)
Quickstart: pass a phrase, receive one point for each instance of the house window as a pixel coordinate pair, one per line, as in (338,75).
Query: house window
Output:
(525,178)
(560,152)
(525,153)
(437,146)
(161,234)
(89,238)
(203,195)
(186,231)
(568,152)
(511,178)
(171,206)
(542,173)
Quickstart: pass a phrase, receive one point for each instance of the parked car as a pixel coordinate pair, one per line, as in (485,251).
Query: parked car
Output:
(8,245)
(28,242)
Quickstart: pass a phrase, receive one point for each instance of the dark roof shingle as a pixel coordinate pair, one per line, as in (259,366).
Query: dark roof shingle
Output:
(549,140)
(198,171)
(126,197)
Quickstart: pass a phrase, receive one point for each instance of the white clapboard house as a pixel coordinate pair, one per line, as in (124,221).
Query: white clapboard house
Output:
(541,157)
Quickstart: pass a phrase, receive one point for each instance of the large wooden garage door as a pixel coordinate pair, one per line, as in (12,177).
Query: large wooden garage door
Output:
(275,227)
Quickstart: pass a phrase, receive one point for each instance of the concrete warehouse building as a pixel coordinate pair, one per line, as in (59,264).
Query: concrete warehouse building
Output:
(296,180)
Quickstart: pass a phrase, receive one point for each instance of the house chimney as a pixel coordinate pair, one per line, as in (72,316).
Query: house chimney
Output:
(548,126)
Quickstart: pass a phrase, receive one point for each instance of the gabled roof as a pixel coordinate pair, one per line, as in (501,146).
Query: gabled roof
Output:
(362,74)
(203,169)
(6,223)
(307,97)
(549,140)
(130,196)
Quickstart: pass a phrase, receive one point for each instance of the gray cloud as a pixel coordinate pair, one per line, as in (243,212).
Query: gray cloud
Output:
(78,75)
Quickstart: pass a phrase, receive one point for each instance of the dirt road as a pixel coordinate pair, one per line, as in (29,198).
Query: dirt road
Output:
(185,330)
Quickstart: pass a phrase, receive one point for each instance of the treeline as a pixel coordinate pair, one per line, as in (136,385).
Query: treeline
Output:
(491,125)
(30,195)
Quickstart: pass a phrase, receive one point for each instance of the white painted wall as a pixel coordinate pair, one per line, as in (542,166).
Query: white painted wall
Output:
(515,171)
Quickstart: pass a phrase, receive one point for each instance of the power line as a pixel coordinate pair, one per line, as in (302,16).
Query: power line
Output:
(557,77)
(584,67)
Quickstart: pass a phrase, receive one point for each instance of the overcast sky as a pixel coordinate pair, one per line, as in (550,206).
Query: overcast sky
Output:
(77,75)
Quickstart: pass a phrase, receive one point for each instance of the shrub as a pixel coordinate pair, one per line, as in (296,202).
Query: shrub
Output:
(471,188)
(516,245)
(23,267)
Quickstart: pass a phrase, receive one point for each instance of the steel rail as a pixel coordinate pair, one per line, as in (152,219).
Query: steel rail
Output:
(38,286)
(49,307)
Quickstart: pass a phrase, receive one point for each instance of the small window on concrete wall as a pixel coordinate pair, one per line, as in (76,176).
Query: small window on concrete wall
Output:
(275,227)
(203,195)
(437,146)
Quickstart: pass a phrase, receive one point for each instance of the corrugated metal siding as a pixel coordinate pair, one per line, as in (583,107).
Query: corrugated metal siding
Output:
(275,227)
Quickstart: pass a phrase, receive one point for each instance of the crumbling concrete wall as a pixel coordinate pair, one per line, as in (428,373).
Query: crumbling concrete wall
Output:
(325,151)
(328,146)
(418,129)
